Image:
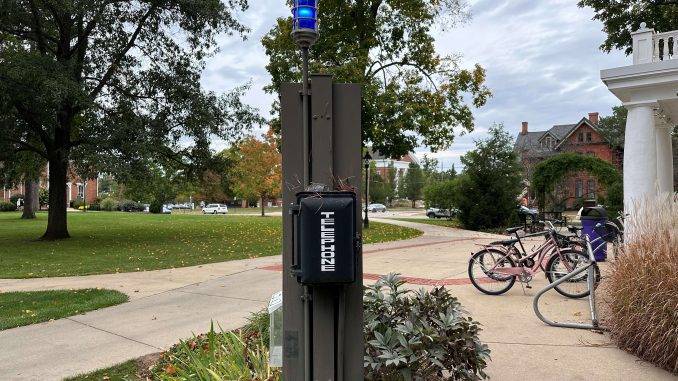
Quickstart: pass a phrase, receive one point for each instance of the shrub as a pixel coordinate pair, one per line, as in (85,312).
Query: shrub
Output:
(217,356)
(642,290)
(420,335)
(155,207)
(79,204)
(7,206)
(130,206)
(108,204)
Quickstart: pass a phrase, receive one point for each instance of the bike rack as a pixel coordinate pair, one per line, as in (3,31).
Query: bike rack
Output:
(590,267)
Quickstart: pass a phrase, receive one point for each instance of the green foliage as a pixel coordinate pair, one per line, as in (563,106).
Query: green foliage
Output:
(413,183)
(15,198)
(419,335)
(78,203)
(109,204)
(113,86)
(379,187)
(217,356)
(126,371)
(23,308)
(410,94)
(491,182)
(622,17)
(442,194)
(7,206)
(130,206)
(613,127)
(549,172)
(43,196)
(615,198)
(155,207)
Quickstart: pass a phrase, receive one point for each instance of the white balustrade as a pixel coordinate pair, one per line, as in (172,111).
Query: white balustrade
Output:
(665,46)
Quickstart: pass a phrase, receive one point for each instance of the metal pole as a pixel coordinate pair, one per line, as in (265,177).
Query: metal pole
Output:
(367,195)
(304,116)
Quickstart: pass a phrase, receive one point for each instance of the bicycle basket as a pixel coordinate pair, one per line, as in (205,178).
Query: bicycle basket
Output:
(608,232)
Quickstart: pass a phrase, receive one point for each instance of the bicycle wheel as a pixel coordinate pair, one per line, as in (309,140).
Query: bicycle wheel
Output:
(576,287)
(486,280)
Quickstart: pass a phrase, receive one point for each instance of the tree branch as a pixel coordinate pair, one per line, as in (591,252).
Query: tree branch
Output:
(403,63)
(130,43)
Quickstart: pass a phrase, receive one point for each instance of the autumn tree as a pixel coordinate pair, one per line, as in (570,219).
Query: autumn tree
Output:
(113,86)
(257,169)
(411,95)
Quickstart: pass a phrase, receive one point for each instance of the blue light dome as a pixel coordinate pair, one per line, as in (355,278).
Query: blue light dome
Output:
(304,14)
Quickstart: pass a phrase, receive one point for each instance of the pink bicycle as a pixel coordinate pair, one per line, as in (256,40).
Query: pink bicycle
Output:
(494,269)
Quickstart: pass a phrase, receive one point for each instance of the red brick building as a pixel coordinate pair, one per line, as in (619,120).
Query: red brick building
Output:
(75,189)
(582,138)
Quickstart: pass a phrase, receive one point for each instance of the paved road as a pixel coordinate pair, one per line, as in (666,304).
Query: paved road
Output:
(167,305)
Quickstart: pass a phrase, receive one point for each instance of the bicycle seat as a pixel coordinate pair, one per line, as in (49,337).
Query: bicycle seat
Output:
(513,230)
(505,242)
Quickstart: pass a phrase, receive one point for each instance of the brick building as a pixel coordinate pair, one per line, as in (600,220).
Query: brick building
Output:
(75,189)
(582,138)
(401,165)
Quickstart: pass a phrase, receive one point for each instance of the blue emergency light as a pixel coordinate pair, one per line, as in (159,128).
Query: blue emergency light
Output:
(304,15)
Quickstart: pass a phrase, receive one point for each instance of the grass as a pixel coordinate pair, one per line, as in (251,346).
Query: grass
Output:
(24,308)
(433,221)
(110,242)
(126,371)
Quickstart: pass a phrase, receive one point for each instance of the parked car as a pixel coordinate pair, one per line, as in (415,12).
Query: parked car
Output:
(441,213)
(214,209)
(376,208)
(165,209)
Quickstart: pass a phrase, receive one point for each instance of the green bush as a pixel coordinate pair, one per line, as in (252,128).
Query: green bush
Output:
(108,204)
(79,203)
(130,206)
(419,335)
(7,206)
(155,207)
(642,289)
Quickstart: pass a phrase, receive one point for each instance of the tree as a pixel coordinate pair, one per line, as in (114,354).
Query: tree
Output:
(378,187)
(613,127)
(411,94)
(257,171)
(491,181)
(391,183)
(622,17)
(113,86)
(442,194)
(413,183)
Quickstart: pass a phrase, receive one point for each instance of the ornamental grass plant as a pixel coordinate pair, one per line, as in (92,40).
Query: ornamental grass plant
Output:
(642,289)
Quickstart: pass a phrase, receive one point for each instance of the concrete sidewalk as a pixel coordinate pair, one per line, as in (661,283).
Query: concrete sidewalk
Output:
(167,305)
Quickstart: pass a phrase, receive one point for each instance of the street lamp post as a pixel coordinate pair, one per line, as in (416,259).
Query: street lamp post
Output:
(366,159)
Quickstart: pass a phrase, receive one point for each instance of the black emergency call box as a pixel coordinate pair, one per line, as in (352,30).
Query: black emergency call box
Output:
(326,243)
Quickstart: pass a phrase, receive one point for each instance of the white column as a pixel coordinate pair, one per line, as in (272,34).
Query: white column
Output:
(640,153)
(664,159)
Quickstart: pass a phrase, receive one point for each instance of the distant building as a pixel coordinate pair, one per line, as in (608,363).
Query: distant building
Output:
(76,188)
(401,165)
(583,138)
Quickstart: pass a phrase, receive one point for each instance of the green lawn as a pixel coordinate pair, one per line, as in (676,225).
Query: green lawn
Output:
(433,221)
(23,308)
(109,242)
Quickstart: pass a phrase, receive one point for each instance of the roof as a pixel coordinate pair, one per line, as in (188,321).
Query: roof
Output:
(377,156)
(529,145)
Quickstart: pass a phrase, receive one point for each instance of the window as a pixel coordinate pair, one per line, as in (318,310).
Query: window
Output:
(591,188)
(580,137)
(588,136)
(547,142)
(578,188)
(81,191)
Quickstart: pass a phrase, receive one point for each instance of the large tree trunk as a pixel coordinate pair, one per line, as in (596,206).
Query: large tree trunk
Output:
(31,198)
(262,205)
(57,227)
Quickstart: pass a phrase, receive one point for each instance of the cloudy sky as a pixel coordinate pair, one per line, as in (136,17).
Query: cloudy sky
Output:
(542,60)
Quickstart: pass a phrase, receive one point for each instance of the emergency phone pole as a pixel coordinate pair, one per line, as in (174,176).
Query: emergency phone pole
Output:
(322,258)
